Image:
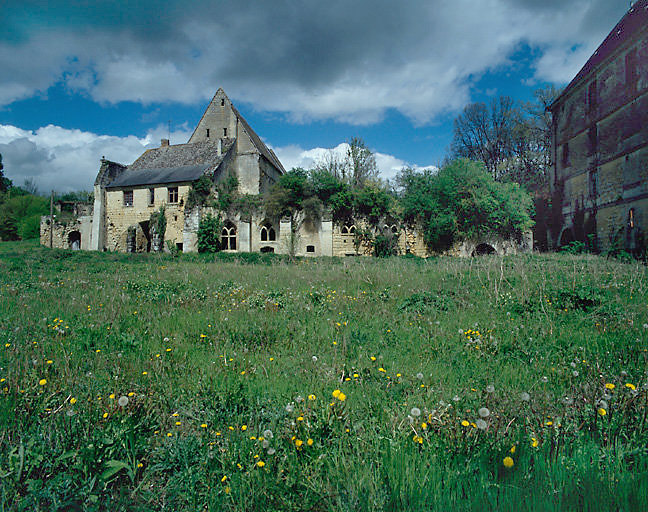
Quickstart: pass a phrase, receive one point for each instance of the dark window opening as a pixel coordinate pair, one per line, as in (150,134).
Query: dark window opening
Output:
(310,248)
(74,240)
(173,194)
(565,154)
(224,132)
(179,246)
(267,249)
(207,132)
(592,96)
(631,67)
(268,233)
(151,196)
(128,198)
(348,230)
(228,237)
(222,102)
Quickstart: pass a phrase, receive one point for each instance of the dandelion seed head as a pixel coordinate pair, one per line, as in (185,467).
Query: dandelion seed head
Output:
(481,424)
(490,388)
(525,397)
(123,401)
(484,412)
(415,411)
(419,376)
(290,408)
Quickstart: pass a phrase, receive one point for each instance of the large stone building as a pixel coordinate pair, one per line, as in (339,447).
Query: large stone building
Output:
(128,199)
(600,142)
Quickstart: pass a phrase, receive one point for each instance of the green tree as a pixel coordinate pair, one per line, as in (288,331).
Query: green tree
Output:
(361,163)
(209,232)
(19,216)
(5,183)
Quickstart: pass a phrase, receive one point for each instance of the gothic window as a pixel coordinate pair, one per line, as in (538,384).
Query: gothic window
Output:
(173,194)
(128,198)
(348,229)
(268,233)
(224,132)
(228,237)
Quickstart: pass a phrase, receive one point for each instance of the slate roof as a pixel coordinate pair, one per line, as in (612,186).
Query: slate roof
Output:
(153,176)
(634,20)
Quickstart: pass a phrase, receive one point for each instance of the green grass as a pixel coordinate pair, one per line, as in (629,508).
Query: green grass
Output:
(230,346)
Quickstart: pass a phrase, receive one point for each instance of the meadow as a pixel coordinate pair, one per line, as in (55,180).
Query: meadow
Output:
(252,382)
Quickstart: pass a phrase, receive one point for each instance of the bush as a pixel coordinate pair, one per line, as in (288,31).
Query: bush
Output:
(209,231)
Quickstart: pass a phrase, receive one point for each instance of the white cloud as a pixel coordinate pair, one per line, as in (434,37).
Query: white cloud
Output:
(294,156)
(64,160)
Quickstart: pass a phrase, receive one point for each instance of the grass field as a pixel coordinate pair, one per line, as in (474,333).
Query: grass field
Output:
(144,382)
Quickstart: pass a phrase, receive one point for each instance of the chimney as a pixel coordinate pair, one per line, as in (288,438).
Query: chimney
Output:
(165,142)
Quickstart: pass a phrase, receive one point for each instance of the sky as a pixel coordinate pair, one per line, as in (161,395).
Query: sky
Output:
(84,79)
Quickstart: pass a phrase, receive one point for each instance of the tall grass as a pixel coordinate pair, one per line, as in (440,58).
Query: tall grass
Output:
(211,351)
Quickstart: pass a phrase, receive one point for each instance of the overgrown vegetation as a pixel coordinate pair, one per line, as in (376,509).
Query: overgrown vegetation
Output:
(209,233)
(153,383)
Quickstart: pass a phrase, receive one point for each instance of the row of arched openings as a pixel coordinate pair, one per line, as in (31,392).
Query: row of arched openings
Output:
(228,235)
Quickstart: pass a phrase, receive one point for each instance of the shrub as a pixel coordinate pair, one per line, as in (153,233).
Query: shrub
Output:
(209,231)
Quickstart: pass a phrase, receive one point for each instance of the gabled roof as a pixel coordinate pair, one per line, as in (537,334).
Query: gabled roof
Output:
(256,140)
(635,19)
(180,155)
(133,178)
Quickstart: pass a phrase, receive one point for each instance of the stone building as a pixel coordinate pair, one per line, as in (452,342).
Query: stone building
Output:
(128,200)
(600,142)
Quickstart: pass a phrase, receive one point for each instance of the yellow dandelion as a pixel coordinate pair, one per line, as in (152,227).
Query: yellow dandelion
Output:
(508,462)
(341,397)
(131,394)
(224,478)
(105,415)
(336,393)
(111,396)
(203,425)
(260,464)
(424,425)
(309,442)
(49,361)
(630,386)
(372,358)
(299,443)
(42,382)
(610,386)
(465,423)
(534,442)
(300,418)
(312,397)
(139,465)
(169,434)
(144,373)
(73,400)
(512,450)
(244,428)
(382,370)
(178,423)
(601,411)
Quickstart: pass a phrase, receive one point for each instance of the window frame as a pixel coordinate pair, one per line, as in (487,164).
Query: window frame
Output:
(151,200)
(125,202)
(173,191)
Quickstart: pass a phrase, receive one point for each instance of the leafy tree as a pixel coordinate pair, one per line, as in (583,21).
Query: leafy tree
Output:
(19,216)
(463,201)
(5,183)
(209,232)
(361,163)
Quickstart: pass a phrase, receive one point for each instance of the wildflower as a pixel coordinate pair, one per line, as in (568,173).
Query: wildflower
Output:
(314,359)
(424,426)
(169,434)
(311,397)
(419,376)
(73,400)
(203,425)
(243,428)
(299,399)
(42,382)
(131,394)
(309,442)
(123,401)
(398,375)
(372,358)
(575,373)
(418,439)
(299,443)
(512,450)
(111,396)
(630,386)
(465,423)
(481,424)
(290,408)
(268,434)
(178,423)
(271,451)
(144,373)
(105,415)
(508,462)
(382,370)
(601,411)
(610,386)
(341,397)
(49,361)
(224,478)
(260,464)
(416,412)
(228,489)
(525,397)
(456,398)
(544,379)
(336,393)
(140,465)
(484,412)
(490,388)
(300,418)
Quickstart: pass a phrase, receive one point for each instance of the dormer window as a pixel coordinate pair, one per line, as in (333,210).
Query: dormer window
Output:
(224,132)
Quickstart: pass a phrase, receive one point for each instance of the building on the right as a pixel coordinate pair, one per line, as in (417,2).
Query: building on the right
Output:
(599,176)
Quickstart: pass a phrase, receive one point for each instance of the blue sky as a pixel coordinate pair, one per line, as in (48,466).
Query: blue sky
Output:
(83,80)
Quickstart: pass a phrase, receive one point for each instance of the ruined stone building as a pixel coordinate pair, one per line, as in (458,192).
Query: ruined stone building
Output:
(128,197)
(600,141)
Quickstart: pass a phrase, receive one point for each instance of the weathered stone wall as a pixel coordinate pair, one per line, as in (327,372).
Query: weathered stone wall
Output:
(63,233)
(600,144)
(120,217)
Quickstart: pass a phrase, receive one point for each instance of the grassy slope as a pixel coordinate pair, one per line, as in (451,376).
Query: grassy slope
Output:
(226,343)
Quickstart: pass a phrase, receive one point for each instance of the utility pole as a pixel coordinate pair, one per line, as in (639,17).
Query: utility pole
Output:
(52,219)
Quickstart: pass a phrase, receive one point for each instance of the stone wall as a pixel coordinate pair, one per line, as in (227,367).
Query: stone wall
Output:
(73,234)
(600,146)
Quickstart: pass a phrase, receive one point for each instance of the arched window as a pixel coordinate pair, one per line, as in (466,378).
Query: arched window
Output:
(268,233)
(74,240)
(348,229)
(228,237)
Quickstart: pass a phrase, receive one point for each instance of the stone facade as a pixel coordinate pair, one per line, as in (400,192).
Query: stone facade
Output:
(129,199)
(600,141)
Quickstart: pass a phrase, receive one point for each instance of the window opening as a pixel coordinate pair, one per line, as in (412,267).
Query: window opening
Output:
(228,237)
(151,196)
(224,132)
(128,198)
(310,248)
(173,194)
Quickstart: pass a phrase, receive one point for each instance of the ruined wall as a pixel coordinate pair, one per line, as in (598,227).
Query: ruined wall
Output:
(63,234)
(120,217)
(601,144)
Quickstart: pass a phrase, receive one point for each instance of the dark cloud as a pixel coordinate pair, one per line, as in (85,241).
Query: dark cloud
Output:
(310,59)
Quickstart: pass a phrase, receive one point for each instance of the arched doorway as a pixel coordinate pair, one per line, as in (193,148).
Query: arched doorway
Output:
(484,249)
(74,240)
